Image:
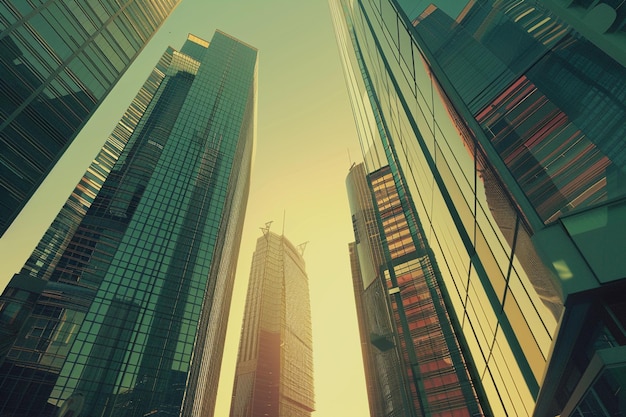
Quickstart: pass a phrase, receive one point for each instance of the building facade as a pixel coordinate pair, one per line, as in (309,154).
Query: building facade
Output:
(274,373)
(121,310)
(26,286)
(505,122)
(414,356)
(58,61)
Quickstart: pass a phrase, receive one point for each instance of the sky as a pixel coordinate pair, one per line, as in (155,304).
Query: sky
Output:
(306,142)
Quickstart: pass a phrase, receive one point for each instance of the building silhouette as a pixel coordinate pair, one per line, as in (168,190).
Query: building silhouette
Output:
(58,61)
(274,373)
(414,362)
(122,308)
(504,121)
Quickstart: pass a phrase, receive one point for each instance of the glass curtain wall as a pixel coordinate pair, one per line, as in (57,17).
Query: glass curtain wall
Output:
(506,124)
(407,319)
(509,325)
(131,319)
(58,61)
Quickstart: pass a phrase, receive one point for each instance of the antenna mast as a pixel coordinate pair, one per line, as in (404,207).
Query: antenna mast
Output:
(266,229)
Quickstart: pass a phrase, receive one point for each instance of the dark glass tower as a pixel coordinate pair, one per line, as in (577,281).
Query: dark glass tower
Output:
(414,361)
(122,308)
(274,374)
(58,61)
(25,287)
(505,124)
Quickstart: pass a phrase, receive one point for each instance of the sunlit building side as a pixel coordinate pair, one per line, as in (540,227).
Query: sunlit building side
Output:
(414,362)
(58,61)
(274,373)
(505,121)
(128,293)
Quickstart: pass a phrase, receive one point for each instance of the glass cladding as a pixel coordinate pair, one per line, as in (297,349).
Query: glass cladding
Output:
(210,340)
(385,388)
(427,82)
(134,307)
(44,258)
(365,225)
(603,23)
(274,374)
(553,107)
(417,354)
(57,63)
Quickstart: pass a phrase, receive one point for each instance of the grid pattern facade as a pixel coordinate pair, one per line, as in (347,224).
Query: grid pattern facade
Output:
(44,258)
(376,404)
(389,391)
(506,126)
(58,60)
(397,93)
(130,320)
(432,364)
(558,134)
(274,374)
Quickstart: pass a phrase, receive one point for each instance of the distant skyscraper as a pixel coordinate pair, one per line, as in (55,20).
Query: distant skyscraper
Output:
(505,122)
(122,308)
(274,374)
(58,61)
(414,363)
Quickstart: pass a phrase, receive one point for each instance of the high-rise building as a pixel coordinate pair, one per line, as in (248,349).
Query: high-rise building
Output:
(274,374)
(58,61)
(25,287)
(504,120)
(122,308)
(414,361)
(414,356)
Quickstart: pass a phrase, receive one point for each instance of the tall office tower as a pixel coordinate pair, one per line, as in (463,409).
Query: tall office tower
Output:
(414,361)
(122,308)
(506,125)
(274,374)
(23,290)
(58,61)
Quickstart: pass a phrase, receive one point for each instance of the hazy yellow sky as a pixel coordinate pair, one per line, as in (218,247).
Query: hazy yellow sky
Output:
(305,144)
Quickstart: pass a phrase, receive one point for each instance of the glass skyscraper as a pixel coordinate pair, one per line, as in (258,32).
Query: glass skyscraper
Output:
(414,362)
(58,61)
(24,288)
(274,374)
(505,124)
(122,308)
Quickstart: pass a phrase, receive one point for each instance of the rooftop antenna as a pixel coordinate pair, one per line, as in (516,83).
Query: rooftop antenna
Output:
(284,214)
(266,229)
(302,247)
